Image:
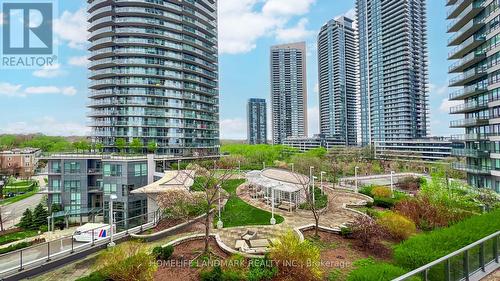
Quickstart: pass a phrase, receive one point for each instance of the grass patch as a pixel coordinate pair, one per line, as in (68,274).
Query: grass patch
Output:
(239,213)
(16,236)
(18,198)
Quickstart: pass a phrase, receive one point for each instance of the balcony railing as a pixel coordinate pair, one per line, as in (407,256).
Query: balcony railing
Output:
(484,170)
(469,122)
(469,106)
(472,262)
(468,91)
(473,153)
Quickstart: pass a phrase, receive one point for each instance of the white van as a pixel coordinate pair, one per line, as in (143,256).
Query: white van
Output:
(84,232)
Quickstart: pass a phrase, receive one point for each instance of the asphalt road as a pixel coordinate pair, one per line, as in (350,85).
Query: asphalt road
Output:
(12,213)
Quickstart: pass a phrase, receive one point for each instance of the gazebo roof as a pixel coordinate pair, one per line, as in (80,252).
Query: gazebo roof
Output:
(278,179)
(182,180)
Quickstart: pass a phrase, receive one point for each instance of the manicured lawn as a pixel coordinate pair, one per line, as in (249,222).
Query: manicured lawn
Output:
(16,236)
(239,213)
(18,198)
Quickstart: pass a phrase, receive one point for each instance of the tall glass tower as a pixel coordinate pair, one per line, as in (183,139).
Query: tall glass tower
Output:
(288,91)
(393,69)
(154,74)
(475,56)
(257,121)
(338,80)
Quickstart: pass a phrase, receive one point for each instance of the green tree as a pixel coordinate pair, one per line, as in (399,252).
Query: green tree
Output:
(26,220)
(40,215)
(152,146)
(99,147)
(120,144)
(136,146)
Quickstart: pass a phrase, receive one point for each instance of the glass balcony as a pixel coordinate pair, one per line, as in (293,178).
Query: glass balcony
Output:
(468,107)
(468,91)
(468,76)
(466,62)
(472,153)
(484,170)
(466,47)
(465,32)
(469,137)
(469,122)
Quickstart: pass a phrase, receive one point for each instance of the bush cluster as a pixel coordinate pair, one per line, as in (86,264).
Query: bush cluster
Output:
(381,192)
(163,253)
(377,272)
(34,220)
(398,226)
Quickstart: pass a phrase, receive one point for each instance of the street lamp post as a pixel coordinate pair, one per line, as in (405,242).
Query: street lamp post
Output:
(311,168)
(313,193)
(356,179)
(112,197)
(273,220)
(293,167)
(392,184)
(219,222)
(263,165)
(178,164)
(321,184)
(239,166)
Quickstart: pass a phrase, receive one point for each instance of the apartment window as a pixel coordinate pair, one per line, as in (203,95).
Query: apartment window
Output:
(113,170)
(72,167)
(56,167)
(71,185)
(109,189)
(140,170)
(56,185)
(56,199)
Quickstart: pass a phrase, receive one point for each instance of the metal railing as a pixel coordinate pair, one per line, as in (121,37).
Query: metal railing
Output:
(469,263)
(42,253)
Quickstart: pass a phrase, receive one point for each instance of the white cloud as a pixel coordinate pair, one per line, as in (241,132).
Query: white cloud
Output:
(12,90)
(72,27)
(78,61)
(438,89)
(1,18)
(51,71)
(295,33)
(446,104)
(233,129)
(242,23)
(287,7)
(45,125)
(313,120)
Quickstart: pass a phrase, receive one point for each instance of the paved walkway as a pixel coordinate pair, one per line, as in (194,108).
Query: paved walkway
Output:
(334,216)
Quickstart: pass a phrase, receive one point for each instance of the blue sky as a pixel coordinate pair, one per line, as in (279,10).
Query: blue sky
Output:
(53,100)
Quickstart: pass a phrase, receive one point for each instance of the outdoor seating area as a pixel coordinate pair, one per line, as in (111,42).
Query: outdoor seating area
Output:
(250,243)
(283,187)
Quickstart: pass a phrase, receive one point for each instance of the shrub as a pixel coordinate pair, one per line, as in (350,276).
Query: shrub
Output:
(427,215)
(377,272)
(400,227)
(212,275)
(409,183)
(424,248)
(129,259)
(366,190)
(384,202)
(381,192)
(15,247)
(346,232)
(295,258)
(163,253)
(369,234)
(261,269)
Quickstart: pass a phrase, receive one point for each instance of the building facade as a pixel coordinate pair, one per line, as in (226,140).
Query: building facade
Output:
(154,75)
(338,69)
(305,144)
(393,69)
(257,121)
(19,161)
(474,54)
(288,91)
(82,184)
(419,150)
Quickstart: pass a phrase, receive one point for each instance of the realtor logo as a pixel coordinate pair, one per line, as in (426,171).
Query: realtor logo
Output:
(27,34)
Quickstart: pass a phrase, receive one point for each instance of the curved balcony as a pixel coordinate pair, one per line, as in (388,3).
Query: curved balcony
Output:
(482,170)
(466,47)
(465,32)
(468,91)
(469,107)
(463,11)
(471,153)
(469,122)
(468,76)
(466,62)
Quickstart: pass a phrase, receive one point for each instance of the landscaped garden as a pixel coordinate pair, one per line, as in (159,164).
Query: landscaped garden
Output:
(237,212)
(16,190)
